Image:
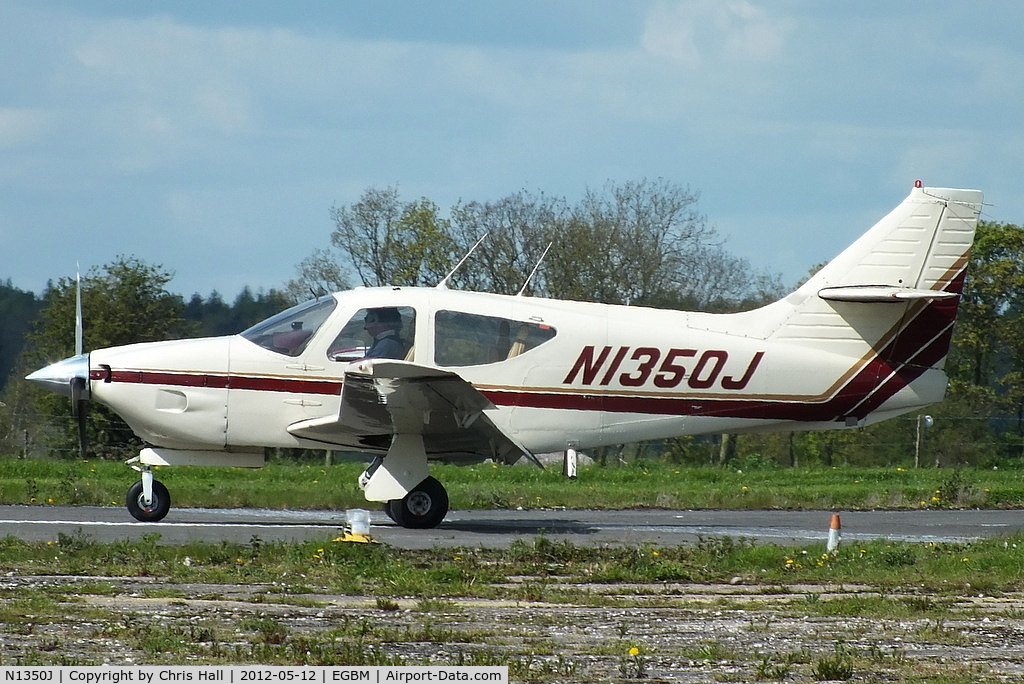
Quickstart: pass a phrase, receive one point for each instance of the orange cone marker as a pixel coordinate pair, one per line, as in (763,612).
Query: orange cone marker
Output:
(834,534)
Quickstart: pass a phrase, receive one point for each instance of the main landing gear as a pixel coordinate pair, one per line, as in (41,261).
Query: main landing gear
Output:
(422,508)
(400,479)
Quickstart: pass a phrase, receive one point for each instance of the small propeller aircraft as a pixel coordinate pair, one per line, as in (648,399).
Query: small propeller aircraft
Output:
(410,375)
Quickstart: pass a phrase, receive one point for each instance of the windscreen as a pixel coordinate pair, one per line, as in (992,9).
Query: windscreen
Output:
(291,330)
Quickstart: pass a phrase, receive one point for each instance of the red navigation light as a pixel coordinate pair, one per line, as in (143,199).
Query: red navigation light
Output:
(918,183)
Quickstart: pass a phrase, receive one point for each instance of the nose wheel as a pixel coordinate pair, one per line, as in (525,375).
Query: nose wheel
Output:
(149,509)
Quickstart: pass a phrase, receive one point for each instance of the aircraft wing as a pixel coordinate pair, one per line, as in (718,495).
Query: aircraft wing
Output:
(381,398)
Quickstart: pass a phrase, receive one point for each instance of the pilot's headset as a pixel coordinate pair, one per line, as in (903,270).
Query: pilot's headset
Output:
(387,315)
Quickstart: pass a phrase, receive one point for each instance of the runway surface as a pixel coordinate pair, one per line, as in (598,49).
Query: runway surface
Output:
(499,528)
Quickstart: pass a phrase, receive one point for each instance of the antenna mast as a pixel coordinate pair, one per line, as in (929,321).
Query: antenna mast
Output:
(443,285)
(534,271)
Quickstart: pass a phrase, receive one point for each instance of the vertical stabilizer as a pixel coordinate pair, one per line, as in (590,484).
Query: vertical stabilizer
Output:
(883,310)
(917,247)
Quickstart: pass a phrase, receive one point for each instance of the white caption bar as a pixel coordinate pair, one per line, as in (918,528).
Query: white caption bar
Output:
(250,674)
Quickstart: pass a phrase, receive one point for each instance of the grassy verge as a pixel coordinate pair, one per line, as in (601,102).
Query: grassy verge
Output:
(718,610)
(643,484)
(990,566)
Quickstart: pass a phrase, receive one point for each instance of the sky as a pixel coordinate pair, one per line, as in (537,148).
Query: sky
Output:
(213,138)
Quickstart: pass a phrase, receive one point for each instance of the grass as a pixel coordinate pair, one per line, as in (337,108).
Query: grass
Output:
(419,606)
(544,570)
(645,484)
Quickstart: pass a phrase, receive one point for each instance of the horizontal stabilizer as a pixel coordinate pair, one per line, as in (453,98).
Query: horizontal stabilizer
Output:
(880,293)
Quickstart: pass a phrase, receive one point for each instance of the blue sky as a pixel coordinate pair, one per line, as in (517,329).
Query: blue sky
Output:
(213,138)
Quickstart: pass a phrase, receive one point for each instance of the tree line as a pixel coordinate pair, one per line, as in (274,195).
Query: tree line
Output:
(640,243)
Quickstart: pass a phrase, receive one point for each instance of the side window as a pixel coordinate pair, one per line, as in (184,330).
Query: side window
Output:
(290,331)
(462,339)
(383,332)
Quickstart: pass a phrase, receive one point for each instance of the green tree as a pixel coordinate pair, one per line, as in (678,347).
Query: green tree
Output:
(640,243)
(519,228)
(318,274)
(986,365)
(389,242)
(654,231)
(17,311)
(645,243)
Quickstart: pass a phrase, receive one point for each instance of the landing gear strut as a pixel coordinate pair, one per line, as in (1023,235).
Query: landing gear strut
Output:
(422,508)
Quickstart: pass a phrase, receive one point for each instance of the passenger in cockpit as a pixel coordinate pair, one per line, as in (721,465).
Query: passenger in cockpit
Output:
(384,325)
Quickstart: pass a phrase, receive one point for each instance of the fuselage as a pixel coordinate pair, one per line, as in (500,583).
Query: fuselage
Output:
(557,372)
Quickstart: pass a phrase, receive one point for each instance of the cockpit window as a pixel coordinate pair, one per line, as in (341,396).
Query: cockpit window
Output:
(290,331)
(386,332)
(462,339)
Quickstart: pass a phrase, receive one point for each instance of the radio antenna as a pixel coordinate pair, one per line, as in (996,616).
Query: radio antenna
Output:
(534,271)
(443,285)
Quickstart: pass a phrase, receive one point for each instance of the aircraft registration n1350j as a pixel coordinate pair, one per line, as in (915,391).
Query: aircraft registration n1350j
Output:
(410,375)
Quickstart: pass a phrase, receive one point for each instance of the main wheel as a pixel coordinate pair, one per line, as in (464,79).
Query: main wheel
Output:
(157,508)
(422,508)
(389,508)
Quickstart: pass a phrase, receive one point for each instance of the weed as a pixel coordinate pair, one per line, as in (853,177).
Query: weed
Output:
(922,604)
(435,605)
(721,547)
(387,604)
(530,591)
(937,632)
(633,665)
(769,670)
(710,650)
(164,640)
(268,630)
(878,654)
(78,541)
(835,667)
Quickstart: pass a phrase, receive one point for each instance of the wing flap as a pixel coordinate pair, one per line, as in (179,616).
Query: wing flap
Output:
(381,398)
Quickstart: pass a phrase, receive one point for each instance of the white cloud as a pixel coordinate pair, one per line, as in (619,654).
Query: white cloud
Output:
(692,32)
(24,126)
(670,33)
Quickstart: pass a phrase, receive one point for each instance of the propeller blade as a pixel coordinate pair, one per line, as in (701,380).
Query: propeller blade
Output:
(79,397)
(79,327)
(70,377)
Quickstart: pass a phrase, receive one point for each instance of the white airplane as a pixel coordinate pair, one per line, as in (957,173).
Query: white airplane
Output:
(411,375)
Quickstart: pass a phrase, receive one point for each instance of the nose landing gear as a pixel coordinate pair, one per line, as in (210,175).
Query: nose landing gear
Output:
(151,506)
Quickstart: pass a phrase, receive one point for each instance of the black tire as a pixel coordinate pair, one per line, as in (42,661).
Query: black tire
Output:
(157,509)
(389,508)
(422,508)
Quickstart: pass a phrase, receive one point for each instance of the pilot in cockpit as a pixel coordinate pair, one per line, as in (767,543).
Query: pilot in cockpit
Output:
(384,325)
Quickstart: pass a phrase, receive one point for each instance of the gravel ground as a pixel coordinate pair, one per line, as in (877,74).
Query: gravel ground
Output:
(662,632)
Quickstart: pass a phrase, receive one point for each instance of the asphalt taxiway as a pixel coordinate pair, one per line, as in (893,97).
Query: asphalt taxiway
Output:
(498,528)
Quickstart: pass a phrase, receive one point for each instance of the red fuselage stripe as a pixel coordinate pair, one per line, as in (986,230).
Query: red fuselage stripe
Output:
(227,381)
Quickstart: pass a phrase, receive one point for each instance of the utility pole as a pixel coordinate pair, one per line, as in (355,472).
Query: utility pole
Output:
(923,421)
